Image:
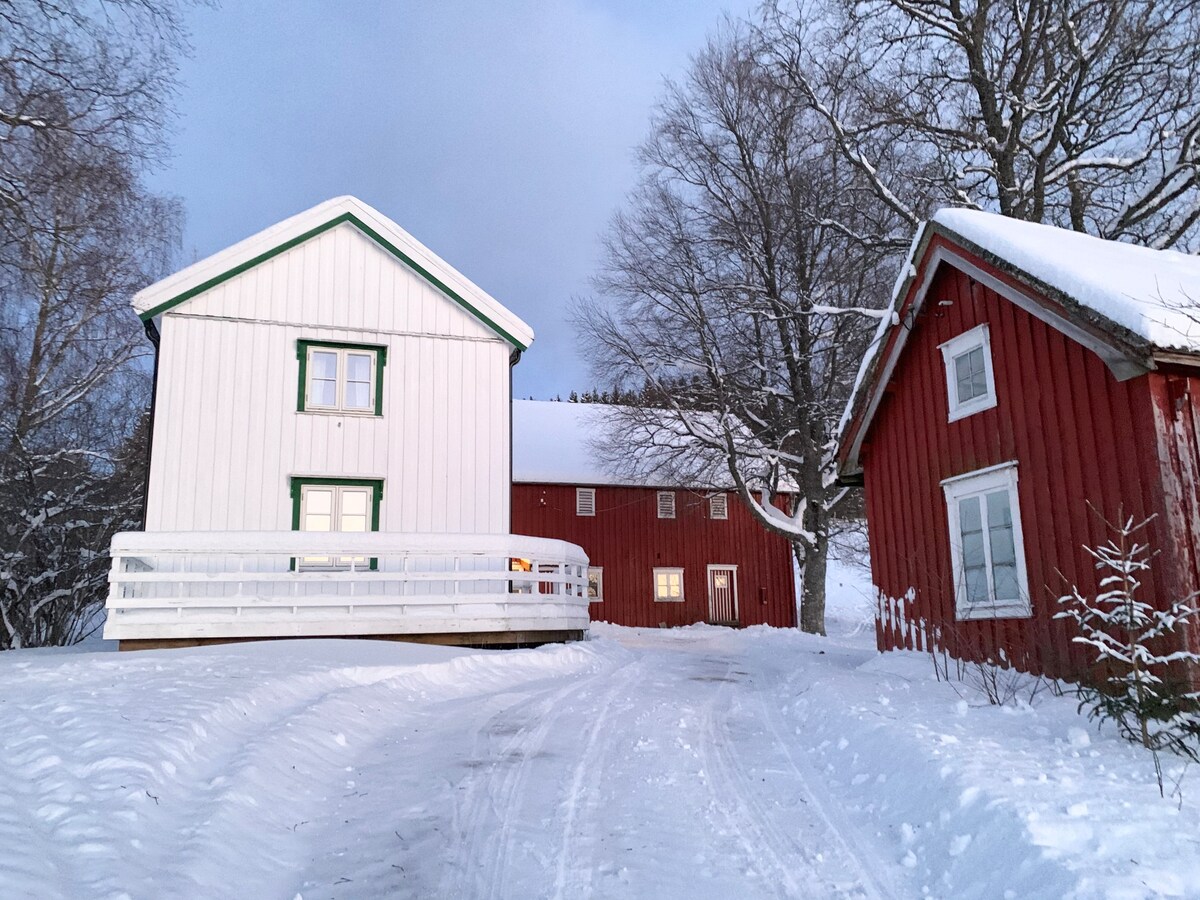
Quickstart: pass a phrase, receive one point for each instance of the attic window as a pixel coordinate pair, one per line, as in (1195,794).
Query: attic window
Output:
(585,501)
(666,504)
(718,506)
(970,381)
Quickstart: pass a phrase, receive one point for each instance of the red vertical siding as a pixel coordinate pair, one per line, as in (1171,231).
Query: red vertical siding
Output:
(628,540)
(1078,435)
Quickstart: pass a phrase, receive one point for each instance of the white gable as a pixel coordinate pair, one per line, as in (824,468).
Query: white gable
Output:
(342,252)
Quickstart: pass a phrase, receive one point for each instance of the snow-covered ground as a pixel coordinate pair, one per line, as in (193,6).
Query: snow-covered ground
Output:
(698,762)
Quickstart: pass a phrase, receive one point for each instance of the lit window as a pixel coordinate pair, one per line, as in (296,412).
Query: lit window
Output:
(344,378)
(585,501)
(668,585)
(329,505)
(718,506)
(595,588)
(987,549)
(970,381)
(666,504)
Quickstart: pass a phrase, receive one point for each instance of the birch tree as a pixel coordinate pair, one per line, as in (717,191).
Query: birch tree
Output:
(739,291)
(1079,113)
(84,90)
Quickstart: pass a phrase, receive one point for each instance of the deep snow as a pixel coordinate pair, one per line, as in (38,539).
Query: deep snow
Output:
(697,762)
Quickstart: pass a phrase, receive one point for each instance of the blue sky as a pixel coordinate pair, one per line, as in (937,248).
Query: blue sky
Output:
(501,135)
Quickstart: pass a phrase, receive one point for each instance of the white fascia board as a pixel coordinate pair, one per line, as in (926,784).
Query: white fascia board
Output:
(245,251)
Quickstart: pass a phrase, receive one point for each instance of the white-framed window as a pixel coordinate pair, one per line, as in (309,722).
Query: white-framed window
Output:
(666,504)
(585,501)
(668,585)
(987,548)
(970,382)
(718,506)
(340,378)
(337,507)
(595,587)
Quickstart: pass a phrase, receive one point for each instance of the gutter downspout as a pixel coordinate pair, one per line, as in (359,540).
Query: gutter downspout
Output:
(153,335)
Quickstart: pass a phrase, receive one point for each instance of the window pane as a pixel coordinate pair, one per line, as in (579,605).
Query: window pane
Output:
(354,502)
(969,518)
(970,375)
(322,365)
(977,589)
(322,393)
(353,523)
(1005,577)
(318,500)
(318,522)
(358,367)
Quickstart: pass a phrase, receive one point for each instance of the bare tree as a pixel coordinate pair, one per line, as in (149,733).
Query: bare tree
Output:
(83,101)
(1079,113)
(740,282)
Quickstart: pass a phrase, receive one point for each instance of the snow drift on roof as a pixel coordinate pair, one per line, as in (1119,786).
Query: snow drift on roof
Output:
(1153,293)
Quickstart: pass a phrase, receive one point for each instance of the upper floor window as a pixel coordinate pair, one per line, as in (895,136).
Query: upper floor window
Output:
(339,377)
(666,504)
(585,501)
(986,544)
(718,506)
(970,382)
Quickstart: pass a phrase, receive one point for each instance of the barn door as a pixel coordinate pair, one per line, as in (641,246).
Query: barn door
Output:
(722,595)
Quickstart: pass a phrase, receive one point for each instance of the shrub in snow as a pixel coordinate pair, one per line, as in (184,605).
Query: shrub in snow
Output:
(1147,676)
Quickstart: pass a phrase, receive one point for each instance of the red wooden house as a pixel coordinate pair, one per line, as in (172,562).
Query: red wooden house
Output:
(661,553)
(1031,381)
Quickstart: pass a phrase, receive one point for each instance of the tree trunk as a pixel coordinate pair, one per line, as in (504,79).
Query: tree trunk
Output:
(812,562)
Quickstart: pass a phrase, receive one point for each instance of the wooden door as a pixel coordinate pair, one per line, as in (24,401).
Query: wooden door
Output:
(722,595)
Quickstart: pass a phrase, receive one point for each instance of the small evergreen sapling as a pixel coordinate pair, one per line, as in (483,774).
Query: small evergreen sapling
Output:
(1147,684)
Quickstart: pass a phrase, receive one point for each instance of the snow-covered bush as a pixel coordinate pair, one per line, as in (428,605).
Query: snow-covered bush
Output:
(1147,678)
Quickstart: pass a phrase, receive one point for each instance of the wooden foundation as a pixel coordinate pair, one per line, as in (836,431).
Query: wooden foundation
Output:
(495,640)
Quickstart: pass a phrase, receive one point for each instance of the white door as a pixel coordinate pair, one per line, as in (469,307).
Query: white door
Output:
(722,595)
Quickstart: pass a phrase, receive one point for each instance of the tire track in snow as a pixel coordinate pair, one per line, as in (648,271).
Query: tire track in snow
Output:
(491,809)
(588,762)
(838,830)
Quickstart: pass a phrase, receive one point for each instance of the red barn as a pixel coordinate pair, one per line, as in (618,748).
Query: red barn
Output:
(661,554)
(1031,381)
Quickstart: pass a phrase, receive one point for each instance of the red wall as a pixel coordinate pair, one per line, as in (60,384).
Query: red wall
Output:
(628,540)
(1079,436)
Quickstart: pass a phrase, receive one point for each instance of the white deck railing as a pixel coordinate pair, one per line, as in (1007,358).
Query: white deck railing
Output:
(166,585)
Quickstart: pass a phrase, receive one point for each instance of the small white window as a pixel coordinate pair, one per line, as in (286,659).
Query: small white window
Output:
(585,501)
(666,504)
(986,545)
(595,588)
(668,585)
(718,506)
(970,382)
(341,379)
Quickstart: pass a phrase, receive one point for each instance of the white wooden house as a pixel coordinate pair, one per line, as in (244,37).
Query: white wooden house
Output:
(324,379)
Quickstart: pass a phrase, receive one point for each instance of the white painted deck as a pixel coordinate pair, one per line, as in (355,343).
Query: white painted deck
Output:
(231,584)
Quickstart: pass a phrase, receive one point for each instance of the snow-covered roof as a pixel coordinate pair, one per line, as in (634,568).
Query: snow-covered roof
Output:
(1127,303)
(1153,293)
(211,271)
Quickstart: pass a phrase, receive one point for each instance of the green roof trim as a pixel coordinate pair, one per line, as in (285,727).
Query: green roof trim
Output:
(311,233)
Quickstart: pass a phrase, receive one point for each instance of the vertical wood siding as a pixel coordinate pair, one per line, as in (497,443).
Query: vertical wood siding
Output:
(227,436)
(1079,436)
(628,540)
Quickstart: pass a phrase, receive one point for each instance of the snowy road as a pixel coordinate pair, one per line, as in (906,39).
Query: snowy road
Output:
(689,763)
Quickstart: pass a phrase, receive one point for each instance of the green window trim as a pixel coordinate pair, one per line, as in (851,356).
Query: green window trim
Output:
(302,347)
(370,232)
(376,484)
